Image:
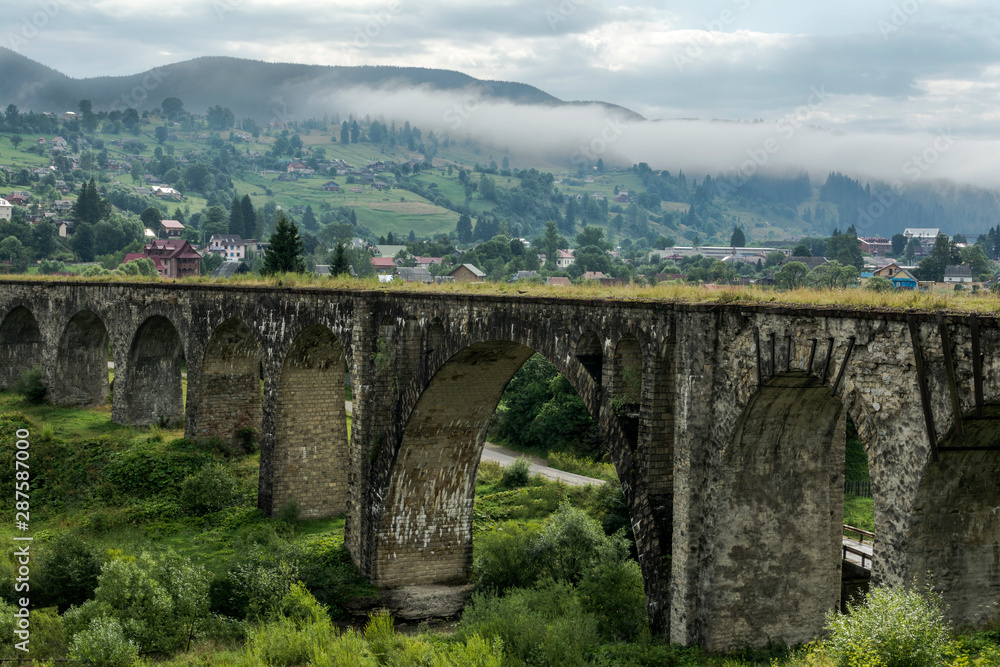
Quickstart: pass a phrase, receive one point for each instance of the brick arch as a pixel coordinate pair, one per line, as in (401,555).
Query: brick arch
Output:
(424,533)
(954,533)
(626,386)
(20,344)
(229,386)
(309,458)
(776,573)
(152,389)
(81,370)
(590,353)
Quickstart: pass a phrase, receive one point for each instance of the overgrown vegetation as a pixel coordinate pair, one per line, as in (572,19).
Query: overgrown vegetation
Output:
(150,551)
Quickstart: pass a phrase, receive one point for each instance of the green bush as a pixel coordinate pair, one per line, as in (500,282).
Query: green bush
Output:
(348,650)
(283,643)
(254,586)
(160,603)
(300,606)
(211,489)
(30,385)
(891,627)
(545,625)
(103,644)
(48,640)
(571,543)
(326,568)
(614,593)
(517,474)
(66,571)
(504,558)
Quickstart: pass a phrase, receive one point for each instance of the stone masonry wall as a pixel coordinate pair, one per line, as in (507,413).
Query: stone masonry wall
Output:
(703,368)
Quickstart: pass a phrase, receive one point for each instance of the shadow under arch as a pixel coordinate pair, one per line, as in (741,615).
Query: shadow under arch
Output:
(230,388)
(152,394)
(774,573)
(82,362)
(20,345)
(310,460)
(954,539)
(424,533)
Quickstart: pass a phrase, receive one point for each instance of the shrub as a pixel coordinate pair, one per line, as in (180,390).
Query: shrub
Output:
(30,385)
(300,606)
(67,571)
(159,603)
(614,593)
(103,644)
(571,543)
(517,474)
(505,558)
(211,489)
(891,627)
(282,643)
(539,626)
(254,586)
(47,637)
(348,650)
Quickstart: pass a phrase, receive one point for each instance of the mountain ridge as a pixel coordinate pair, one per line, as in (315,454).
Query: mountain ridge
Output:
(289,88)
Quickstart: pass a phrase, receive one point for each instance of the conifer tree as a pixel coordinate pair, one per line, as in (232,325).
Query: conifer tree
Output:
(236,226)
(284,255)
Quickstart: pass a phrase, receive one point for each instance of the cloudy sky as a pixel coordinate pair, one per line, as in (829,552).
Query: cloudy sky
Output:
(887,68)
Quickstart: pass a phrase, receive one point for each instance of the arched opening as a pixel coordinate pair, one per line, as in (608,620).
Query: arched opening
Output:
(82,363)
(153,394)
(776,572)
(20,345)
(310,457)
(590,354)
(425,530)
(954,541)
(230,391)
(626,387)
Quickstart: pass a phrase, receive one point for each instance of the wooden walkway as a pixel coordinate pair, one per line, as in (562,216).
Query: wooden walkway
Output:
(858,551)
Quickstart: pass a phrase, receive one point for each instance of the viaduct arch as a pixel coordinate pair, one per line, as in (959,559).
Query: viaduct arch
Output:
(700,405)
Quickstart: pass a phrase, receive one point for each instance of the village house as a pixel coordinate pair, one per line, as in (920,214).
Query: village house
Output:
(231,247)
(887,271)
(384,265)
(564,259)
(467,273)
(173,258)
(6,209)
(875,245)
(331,186)
(172,229)
(958,274)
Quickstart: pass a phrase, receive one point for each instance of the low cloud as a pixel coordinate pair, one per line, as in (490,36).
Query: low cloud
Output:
(579,134)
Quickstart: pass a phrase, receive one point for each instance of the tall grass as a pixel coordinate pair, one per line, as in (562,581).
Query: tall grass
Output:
(982,302)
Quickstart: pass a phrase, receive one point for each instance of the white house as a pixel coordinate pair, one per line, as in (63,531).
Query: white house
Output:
(564,258)
(6,209)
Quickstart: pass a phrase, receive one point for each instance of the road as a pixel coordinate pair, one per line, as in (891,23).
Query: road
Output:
(506,457)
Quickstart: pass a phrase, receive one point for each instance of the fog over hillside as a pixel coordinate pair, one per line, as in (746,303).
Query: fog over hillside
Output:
(581,134)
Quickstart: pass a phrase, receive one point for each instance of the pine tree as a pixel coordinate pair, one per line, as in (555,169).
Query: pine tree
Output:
(309,220)
(284,255)
(236,226)
(249,218)
(738,239)
(339,264)
(464,228)
(88,204)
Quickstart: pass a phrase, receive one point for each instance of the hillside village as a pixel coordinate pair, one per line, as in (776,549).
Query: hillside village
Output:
(189,195)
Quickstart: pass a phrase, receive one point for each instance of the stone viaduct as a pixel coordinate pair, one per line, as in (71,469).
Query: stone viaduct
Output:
(725,422)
